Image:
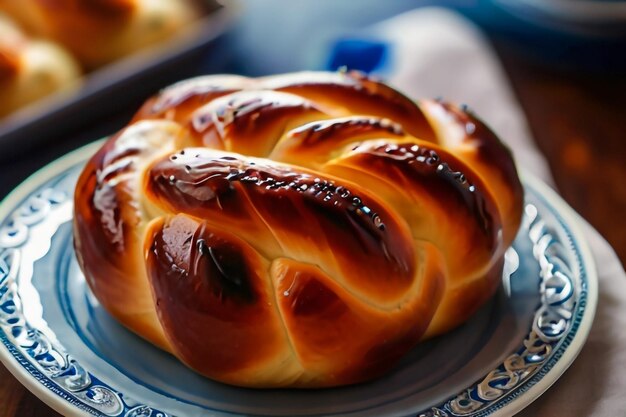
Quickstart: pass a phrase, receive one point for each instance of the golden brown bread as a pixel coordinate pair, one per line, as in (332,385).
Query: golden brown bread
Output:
(301,230)
(100,31)
(30,69)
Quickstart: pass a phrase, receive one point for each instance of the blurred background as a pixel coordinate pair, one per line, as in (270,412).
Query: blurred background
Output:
(73,71)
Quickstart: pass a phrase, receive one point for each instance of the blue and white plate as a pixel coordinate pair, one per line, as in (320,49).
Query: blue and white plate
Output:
(60,343)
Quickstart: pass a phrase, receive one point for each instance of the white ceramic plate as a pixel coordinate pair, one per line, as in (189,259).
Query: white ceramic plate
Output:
(59,342)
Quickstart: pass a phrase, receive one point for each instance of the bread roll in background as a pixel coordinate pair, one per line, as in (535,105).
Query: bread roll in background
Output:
(29,68)
(98,32)
(23,13)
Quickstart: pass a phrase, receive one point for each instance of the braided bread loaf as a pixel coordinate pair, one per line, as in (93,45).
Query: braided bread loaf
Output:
(301,230)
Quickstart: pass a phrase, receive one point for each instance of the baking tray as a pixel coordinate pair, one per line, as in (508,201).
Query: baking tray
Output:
(124,84)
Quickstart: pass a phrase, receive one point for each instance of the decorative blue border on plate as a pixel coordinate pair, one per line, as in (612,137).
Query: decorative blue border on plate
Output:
(556,322)
(46,361)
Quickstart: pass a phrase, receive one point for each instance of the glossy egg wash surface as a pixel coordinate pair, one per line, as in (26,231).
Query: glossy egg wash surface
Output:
(248,225)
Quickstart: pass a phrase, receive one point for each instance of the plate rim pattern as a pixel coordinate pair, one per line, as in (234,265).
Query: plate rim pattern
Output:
(56,378)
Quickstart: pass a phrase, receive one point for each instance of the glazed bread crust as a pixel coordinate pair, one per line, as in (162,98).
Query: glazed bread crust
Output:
(300,230)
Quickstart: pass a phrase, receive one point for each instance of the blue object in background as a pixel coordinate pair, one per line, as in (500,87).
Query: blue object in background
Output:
(366,55)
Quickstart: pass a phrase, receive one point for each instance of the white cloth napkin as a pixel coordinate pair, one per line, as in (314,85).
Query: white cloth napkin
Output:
(438,53)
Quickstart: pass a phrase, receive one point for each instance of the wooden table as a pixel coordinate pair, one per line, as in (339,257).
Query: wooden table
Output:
(579,123)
